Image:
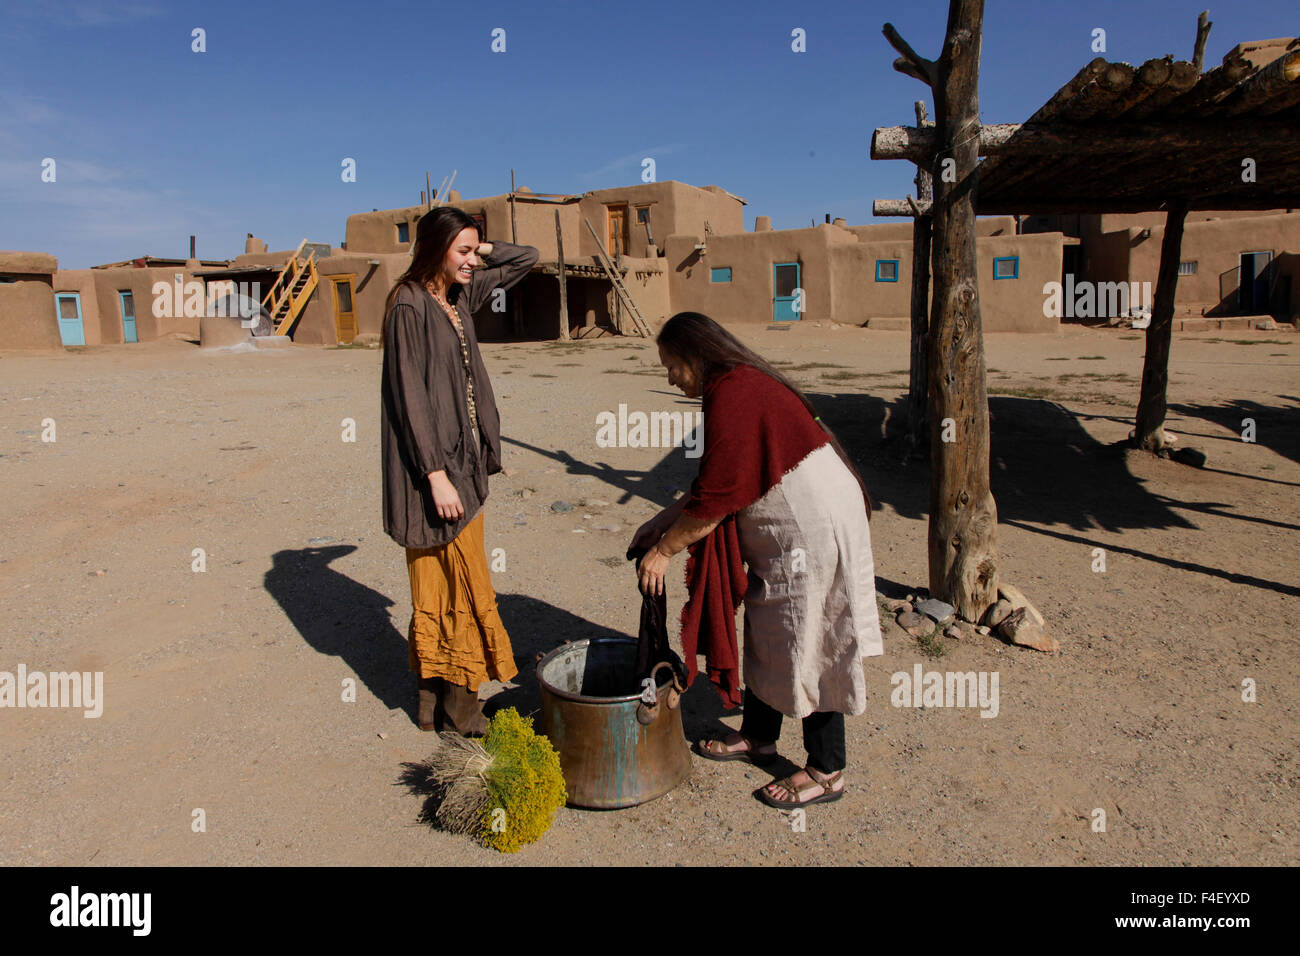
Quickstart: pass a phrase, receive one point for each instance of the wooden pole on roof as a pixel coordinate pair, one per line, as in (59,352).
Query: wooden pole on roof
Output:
(963,556)
(1203,25)
(515,318)
(428,192)
(564,294)
(918,379)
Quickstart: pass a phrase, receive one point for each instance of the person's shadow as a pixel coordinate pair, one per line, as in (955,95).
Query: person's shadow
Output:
(343,618)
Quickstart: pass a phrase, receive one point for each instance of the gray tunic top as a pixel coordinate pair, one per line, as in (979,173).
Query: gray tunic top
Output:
(424,418)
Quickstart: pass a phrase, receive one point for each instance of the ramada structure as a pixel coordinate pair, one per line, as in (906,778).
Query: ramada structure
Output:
(615,261)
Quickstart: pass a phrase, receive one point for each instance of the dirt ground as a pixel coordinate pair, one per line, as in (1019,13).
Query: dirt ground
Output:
(224,688)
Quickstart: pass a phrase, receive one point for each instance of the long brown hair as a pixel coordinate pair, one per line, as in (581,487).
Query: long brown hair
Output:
(711,350)
(434,234)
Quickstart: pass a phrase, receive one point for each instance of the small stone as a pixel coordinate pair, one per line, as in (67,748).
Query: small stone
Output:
(1018,600)
(984,629)
(918,625)
(1265,325)
(526,493)
(597,503)
(910,598)
(561,506)
(954,632)
(935,609)
(319,540)
(1021,629)
(998,613)
(893,606)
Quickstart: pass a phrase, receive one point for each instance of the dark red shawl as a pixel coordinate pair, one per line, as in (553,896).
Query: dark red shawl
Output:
(755,431)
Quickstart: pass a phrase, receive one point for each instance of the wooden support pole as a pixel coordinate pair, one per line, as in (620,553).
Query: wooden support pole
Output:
(428,192)
(1153,403)
(564,290)
(962,551)
(1203,25)
(918,370)
(516,318)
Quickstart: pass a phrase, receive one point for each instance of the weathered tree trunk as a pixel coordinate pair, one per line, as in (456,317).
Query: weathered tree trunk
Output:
(963,517)
(918,377)
(1152,404)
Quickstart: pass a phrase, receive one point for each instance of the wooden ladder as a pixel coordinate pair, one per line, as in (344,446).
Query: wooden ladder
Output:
(291,290)
(642,328)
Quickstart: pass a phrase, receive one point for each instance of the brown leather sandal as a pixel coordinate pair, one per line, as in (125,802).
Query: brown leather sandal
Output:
(752,752)
(787,784)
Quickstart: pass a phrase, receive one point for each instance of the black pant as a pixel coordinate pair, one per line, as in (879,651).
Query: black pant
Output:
(823,732)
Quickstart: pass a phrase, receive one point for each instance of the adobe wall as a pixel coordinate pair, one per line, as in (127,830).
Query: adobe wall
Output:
(1216,247)
(751,255)
(1006,305)
(901,229)
(370,287)
(27,318)
(106,283)
(82,282)
(838,276)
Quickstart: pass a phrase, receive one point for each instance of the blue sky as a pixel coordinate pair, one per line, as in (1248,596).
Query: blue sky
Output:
(153,142)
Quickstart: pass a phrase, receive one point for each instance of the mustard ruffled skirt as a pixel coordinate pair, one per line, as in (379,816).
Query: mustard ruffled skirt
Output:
(456,632)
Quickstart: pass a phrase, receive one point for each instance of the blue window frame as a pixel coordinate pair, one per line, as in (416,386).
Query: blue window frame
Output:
(1006,267)
(886,270)
(403,232)
(721,274)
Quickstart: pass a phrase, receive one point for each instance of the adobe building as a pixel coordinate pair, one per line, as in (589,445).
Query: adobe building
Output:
(1233,263)
(27,318)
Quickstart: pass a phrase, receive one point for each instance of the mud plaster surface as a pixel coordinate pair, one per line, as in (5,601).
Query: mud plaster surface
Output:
(223,688)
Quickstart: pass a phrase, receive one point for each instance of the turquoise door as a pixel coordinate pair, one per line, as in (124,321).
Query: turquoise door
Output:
(67,306)
(787,296)
(128,317)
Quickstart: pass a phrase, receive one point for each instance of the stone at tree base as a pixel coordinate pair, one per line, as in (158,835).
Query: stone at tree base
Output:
(894,605)
(935,609)
(1020,629)
(1018,600)
(998,613)
(984,629)
(957,630)
(918,625)
(1190,456)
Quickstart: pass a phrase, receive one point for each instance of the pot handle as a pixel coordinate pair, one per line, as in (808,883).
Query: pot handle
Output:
(647,709)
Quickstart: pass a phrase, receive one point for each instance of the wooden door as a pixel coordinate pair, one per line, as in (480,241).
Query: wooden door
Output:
(345,317)
(67,307)
(785,292)
(616,234)
(127,302)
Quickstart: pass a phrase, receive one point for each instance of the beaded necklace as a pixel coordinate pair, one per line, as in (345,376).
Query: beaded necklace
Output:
(454,317)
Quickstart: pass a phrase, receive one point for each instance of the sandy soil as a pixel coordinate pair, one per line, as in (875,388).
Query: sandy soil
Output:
(223,689)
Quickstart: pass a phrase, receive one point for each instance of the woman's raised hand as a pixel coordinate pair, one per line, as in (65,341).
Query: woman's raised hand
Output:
(446,500)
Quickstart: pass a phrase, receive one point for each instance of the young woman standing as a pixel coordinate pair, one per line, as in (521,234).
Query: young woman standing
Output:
(441,438)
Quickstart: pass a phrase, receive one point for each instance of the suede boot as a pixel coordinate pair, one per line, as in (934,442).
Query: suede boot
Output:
(431,714)
(463,710)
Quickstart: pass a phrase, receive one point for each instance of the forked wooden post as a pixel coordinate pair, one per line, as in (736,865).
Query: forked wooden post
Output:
(963,517)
